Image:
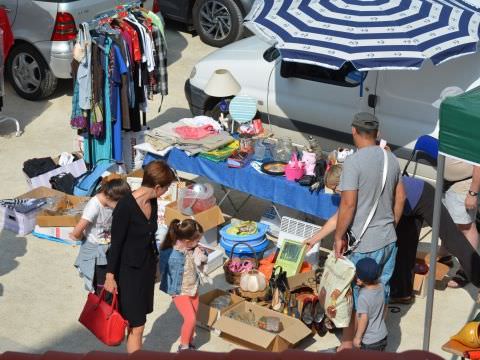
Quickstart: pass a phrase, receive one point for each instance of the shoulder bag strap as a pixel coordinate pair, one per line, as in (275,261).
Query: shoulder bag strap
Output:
(375,205)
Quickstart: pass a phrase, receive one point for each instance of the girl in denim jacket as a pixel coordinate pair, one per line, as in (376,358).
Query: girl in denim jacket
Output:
(181,260)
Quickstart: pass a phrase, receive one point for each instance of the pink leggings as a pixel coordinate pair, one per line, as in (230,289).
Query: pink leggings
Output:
(187,307)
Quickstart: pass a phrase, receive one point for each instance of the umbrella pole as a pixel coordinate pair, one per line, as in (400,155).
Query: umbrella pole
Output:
(437,208)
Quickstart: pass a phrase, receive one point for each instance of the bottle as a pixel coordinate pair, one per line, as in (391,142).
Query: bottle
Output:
(314,146)
(259,151)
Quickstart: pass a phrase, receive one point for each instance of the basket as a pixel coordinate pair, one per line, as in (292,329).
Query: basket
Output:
(255,296)
(233,277)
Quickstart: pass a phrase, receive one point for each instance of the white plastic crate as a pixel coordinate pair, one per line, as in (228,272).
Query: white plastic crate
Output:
(297,230)
(21,224)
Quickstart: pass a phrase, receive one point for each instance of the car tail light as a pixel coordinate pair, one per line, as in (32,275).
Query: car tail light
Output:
(156,6)
(65,28)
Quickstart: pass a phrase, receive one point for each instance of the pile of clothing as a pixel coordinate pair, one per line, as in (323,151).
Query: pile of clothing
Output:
(196,135)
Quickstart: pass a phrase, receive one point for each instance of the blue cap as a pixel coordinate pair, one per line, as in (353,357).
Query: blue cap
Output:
(368,269)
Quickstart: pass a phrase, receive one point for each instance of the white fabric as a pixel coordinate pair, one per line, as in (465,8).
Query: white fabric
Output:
(201,120)
(100,219)
(65,159)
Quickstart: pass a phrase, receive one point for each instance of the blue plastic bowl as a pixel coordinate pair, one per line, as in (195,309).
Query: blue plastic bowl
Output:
(253,243)
(261,231)
(244,251)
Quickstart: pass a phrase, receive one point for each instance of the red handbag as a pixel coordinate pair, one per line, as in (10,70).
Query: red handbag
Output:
(103,319)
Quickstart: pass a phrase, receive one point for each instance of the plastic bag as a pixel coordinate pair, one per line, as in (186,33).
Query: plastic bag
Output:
(221,302)
(196,198)
(271,324)
(335,290)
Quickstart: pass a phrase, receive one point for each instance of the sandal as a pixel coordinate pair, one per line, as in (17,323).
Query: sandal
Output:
(460,280)
(406,300)
(446,260)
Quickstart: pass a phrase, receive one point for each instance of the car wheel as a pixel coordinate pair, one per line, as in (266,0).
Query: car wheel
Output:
(217,22)
(29,74)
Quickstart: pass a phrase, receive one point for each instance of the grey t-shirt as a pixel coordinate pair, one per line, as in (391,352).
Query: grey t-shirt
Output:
(363,171)
(372,303)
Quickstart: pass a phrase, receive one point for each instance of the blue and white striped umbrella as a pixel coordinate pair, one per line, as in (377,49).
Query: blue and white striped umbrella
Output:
(371,34)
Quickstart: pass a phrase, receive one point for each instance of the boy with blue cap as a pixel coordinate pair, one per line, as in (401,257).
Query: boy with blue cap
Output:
(371,332)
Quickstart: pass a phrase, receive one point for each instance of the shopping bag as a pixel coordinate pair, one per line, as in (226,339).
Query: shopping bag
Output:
(89,183)
(335,290)
(103,319)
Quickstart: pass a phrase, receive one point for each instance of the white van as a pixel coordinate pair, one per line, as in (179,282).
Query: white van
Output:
(322,102)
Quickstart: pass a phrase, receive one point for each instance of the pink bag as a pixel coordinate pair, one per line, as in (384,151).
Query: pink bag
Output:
(295,169)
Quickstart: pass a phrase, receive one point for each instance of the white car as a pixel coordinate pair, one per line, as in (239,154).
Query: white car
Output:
(322,102)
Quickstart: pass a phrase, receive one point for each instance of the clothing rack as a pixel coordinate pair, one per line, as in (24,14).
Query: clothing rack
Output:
(99,27)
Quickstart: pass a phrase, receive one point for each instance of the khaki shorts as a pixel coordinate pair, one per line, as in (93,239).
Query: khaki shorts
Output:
(455,204)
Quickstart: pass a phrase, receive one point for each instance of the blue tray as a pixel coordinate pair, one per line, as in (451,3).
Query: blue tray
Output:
(261,231)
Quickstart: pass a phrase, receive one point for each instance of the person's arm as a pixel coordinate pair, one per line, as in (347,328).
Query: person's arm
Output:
(362,323)
(399,202)
(326,230)
(120,223)
(77,233)
(471,201)
(348,204)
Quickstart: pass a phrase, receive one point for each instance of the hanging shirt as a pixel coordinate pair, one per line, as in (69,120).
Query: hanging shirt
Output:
(84,72)
(137,54)
(119,69)
(160,84)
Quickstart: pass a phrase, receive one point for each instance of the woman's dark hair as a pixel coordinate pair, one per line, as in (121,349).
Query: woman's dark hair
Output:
(187,229)
(115,189)
(157,173)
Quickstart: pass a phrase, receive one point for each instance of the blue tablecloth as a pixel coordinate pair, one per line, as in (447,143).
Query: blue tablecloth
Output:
(272,188)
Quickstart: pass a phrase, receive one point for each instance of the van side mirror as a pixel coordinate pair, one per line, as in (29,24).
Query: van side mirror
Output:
(372,101)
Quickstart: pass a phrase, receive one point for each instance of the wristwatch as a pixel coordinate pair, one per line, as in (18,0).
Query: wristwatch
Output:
(472,193)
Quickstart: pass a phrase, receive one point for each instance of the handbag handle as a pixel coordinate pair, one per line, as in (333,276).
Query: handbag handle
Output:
(249,246)
(113,306)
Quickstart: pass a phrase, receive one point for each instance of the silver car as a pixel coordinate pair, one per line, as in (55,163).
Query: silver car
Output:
(44,34)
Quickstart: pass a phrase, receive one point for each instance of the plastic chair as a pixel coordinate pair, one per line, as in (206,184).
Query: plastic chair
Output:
(427,145)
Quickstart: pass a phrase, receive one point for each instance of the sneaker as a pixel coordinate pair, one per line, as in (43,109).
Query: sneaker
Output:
(181,348)
(191,347)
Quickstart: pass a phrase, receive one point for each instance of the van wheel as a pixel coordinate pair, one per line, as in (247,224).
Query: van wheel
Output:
(217,22)
(29,73)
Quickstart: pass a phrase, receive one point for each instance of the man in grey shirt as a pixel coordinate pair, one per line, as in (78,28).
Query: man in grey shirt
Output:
(361,185)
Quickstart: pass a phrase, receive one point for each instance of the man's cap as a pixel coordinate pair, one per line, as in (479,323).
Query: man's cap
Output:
(365,121)
(447,92)
(368,270)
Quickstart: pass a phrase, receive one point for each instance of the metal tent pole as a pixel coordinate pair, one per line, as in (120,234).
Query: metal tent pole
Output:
(437,208)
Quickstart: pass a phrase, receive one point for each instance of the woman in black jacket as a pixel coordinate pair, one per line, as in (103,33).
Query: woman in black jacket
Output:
(133,253)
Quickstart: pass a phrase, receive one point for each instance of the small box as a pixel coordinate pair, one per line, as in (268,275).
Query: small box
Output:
(57,217)
(255,338)
(208,219)
(75,168)
(420,282)
(207,315)
(57,234)
(215,258)
(20,223)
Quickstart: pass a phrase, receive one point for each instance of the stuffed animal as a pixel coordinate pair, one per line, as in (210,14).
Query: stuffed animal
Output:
(309,159)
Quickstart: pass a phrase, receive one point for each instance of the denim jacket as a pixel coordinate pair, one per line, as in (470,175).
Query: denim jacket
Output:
(171,267)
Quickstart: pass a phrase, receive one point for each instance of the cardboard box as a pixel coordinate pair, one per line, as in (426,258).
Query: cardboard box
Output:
(306,279)
(20,223)
(57,217)
(208,219)
(208,315)
(76,168)
(255,338)
(420,282)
